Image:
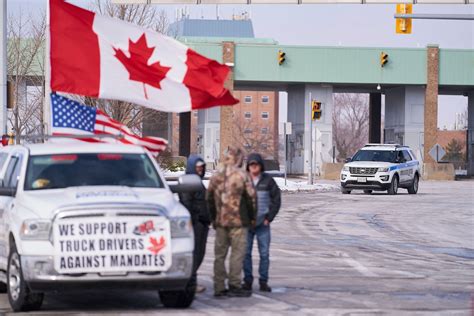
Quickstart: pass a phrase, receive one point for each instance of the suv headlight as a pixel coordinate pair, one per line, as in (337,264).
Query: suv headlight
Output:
(36,229)
(383,169)
(345,168)
(181,227)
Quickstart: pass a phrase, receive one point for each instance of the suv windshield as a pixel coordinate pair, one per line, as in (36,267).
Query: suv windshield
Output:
(375,155)
(70,170)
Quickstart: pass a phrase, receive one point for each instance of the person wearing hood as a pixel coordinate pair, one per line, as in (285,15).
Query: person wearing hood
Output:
(232,205)
(268,206)
(196,204)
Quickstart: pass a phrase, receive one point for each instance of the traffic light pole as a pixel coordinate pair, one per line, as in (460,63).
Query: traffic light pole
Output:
(435,16)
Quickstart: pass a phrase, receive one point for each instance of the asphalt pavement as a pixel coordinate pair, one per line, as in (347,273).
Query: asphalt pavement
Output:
(335,254)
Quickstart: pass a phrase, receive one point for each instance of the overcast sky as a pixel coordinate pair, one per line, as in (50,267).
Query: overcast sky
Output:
(334,25)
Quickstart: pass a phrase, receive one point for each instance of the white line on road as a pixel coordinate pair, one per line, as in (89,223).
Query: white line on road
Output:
(357,265)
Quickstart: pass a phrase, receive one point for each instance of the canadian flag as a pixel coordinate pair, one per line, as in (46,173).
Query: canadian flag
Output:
(98,56)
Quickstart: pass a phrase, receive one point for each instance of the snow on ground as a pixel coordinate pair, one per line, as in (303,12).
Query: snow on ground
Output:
(172,174)
(299,186)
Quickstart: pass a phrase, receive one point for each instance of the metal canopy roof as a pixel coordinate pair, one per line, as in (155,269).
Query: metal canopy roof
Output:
(343,67)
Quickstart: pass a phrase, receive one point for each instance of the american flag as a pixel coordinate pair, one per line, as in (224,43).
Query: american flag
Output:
(71,118)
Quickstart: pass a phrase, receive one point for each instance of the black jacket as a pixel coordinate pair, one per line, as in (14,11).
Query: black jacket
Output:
(268,193)
(195,202)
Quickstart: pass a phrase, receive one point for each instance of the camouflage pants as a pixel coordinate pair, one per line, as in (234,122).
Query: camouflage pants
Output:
(236,239)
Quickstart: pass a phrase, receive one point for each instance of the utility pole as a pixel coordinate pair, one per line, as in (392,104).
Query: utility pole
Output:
(3,67)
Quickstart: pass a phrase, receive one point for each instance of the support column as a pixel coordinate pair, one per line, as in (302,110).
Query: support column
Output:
(185,134)
(226,120)
(299,114)
(404,117)
(375,117)
(431,102)
(470,134)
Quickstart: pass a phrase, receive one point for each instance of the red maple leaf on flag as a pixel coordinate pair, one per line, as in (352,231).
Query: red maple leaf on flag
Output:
(137,64)
(157,246)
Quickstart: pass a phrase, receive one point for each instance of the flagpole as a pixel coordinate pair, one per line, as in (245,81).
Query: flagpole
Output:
(47,77)
(3,67)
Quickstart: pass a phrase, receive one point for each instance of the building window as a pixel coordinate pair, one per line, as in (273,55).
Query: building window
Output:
(248,146)
(248,131)
(248,115)
(265,99)
(265,115)
(264,130)
(248,99)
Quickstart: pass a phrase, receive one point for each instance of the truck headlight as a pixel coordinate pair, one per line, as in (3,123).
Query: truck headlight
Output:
(383,169)
(181,227)
(36,229)
(345,168)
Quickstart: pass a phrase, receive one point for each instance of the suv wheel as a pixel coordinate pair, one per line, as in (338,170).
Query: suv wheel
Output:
(178,299)
(19,294)
(345,191)
(413,188)
(393,189)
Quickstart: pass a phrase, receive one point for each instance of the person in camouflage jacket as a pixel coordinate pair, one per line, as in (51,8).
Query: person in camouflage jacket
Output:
(232,206)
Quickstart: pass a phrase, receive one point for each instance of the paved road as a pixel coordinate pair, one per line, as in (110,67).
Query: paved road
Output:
(335,254)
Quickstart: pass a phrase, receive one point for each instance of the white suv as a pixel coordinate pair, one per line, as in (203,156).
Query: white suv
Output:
(91,216)
(380,167)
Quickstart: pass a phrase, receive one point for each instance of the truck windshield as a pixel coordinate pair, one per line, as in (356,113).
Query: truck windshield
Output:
(375,155)
(72,170)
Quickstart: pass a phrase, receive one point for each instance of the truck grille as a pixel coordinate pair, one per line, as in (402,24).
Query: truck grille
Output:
(365,171)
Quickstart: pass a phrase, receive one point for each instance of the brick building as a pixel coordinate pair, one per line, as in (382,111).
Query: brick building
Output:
(256,115)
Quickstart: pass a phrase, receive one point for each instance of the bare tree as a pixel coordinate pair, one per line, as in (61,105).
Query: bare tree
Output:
(25,53)
(248,134)
(350,122)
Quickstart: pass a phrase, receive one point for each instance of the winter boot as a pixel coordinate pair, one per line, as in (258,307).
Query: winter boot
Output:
(264,287)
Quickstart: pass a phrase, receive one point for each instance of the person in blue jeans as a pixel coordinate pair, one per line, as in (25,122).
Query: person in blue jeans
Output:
(268,205)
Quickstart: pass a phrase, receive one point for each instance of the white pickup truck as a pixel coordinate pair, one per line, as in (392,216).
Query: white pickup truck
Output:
(91,216)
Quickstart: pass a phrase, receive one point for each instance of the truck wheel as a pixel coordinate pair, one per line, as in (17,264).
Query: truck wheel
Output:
(393,189)
(368,191)
(178,299)
(19,294)
(413,188)
(345,191)
(3,288)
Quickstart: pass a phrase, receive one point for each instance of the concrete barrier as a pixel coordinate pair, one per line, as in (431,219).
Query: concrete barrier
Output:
(331,171)
(438,171)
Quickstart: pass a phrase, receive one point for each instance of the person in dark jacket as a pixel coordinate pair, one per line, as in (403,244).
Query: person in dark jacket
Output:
(268,205)
(196,204)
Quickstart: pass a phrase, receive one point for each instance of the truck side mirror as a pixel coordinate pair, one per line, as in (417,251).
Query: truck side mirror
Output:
(187,183)
(348,159)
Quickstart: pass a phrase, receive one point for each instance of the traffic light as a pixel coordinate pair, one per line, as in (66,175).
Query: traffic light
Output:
(403,26)
(383,59)
(315,110)
(281,57)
